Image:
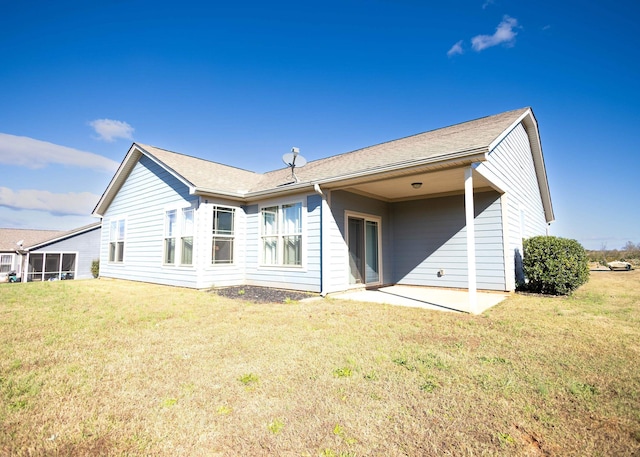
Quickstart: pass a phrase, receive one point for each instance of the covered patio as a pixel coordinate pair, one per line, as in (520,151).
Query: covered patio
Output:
(457,177)
(431,298)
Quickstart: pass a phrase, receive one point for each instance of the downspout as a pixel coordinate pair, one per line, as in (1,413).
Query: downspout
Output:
(323,288)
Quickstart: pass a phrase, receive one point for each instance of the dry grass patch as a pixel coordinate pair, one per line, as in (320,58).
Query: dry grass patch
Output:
(120,368)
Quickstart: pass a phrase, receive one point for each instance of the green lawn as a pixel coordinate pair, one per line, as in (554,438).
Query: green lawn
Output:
(117,368)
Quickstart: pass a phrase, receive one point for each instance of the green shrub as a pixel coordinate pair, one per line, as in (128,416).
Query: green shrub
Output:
(555,266)
(95,268)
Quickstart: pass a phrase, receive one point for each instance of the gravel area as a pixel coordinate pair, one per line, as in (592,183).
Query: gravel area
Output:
(258,294)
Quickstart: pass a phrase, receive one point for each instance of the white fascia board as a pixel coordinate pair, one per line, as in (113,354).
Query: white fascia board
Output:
(213,193)
(132,157)
(508,130)
(123,170)
(530,124)
(471,156)
(294,188)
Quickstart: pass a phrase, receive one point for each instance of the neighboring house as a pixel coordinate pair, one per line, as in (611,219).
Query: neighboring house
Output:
(45,255)
(12,244)
(445,208)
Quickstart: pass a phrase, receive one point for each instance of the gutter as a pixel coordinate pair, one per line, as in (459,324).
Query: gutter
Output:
(471,156)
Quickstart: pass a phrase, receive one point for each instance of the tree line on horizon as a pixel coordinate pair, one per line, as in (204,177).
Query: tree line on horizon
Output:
(630,252)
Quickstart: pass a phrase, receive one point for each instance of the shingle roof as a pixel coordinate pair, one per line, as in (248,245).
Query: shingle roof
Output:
(10,236)
(465,141)
(63,235)
(204,173)
(469,136)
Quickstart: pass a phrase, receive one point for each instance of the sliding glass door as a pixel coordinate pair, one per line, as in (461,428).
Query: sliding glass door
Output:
(363,239)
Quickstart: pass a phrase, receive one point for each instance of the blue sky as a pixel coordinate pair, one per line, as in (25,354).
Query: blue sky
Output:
(242,82)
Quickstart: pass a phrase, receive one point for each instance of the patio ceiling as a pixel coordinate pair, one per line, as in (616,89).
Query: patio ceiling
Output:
(433,184)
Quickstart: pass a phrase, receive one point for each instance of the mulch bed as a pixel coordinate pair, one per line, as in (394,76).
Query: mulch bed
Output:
(257,294)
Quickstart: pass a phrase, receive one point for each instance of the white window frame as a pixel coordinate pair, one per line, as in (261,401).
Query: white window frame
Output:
(223,236)
(179,235)
(187,232)
(115,239)
(3,264)
(280,234)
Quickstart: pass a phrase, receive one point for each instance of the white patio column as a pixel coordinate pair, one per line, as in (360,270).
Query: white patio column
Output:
(471,239)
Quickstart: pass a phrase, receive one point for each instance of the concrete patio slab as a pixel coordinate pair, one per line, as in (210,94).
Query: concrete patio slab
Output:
(423,297)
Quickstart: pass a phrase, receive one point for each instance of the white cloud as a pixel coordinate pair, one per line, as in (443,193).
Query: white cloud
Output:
(28,152)
(72,203)
(455,49)
(487,3)
(109,129)
(504,34)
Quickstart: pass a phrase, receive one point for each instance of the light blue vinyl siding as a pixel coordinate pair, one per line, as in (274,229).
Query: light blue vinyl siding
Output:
(142,201)
(512,162)
(306,277)
(430,235)
(85,245)
(336,262)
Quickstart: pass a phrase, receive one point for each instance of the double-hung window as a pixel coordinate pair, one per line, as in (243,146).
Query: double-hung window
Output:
(178,236)
(186,240)
(281,234)
(116,241)
(6,262)
(170,231)
(223,234)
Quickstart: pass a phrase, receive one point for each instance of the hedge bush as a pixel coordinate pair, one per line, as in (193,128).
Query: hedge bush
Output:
(95,268)
(553,265)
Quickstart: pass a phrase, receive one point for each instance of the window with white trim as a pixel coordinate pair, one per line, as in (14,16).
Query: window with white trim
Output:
(116,240)
(281,234)
(223,235)
(178,236)
(6,262)
(186,237)
(170,230)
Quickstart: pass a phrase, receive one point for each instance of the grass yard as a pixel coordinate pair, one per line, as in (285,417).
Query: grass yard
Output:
(116,368)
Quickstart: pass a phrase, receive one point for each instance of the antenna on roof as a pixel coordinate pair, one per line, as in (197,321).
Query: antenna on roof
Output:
(290,159)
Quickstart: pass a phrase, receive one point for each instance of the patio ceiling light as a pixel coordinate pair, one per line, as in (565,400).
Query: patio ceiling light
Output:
(416,185)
